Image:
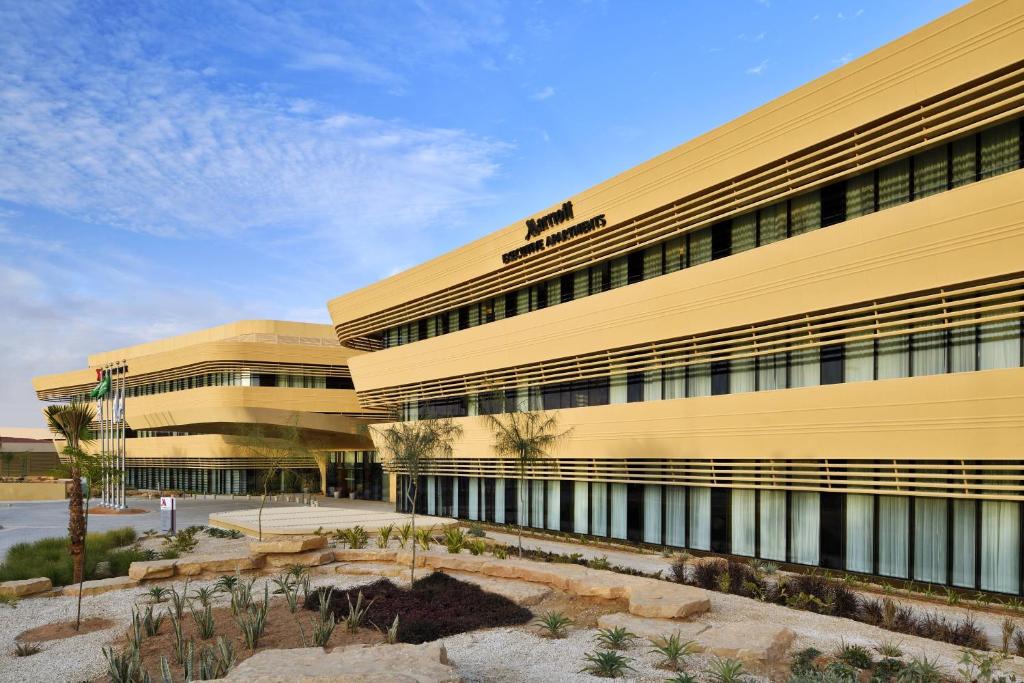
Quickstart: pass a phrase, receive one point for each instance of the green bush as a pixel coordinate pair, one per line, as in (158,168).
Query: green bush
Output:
(49,557)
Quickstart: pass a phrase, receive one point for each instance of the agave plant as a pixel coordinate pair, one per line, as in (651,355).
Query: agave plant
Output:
(384,535)
(725,670)
(158,594)
(151,622)
(424,537)
(324,626)
(616,638)
(205,626)
(205,594)
(404,535)
(554,624)
(673,650)
(356,613)
(227,583)
(606,664)
(26,649)
(454,540)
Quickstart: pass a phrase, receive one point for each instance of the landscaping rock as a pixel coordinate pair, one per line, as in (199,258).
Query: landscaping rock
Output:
(20,589)
(401,663)
(153,569)
(298,544)
(218,564)
(100,586)
(751,643)
(404,557)
(520,592)
(667,600)
(457,562)
(554,575)
(369,569)
(367,555)
(600,584)
(652,629)
(310,559)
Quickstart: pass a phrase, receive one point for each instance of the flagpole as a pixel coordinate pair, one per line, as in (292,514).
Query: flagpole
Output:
(122,423)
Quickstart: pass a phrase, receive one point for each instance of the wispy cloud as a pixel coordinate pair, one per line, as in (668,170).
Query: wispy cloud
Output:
(758,69)
(844,59)
(544,93)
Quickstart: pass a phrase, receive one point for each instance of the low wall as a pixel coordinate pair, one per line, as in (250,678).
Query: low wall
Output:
(34,490)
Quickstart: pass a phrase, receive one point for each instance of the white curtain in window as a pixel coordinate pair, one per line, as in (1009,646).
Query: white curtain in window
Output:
(805,367)
(455,496)
(805,527)
(963,346)
(744,232)
(617,389)
(894,184)
(652,262)
(675,254)
(930,540)
(742,519)
(700,518)
(675,516)
(620,271)
(618,503)
(431,496)
(652,513)
(999,345)
(805,213)
(894,357)
(773,223)
(893,513)
(652,385)
(741,375)
(859,361)
(773,525)
(860,195)
(580,284)
(675,383)
(537,503)
(964,152)
(860,514)
(522,502)
(499,501)
(964,527)
(930,172)
(929,353)
(599,509)
(698,380)
(771,372)
(555,505)
(1000,149)
(1000,546)
(700,246)
(581,507)
(474,498)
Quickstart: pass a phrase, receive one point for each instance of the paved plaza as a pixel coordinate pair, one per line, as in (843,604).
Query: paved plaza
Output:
(284,521)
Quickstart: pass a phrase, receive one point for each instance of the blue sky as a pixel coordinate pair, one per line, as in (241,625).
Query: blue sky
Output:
(172,165)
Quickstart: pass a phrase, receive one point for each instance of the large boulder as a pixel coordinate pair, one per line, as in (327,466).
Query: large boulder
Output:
(313,558)
(655,630)
(402,663)
(218,564)
(667,600)
(153,569)
(288,544)
(522,593)
(98,586)
(20,589)
(754,644)
(457,562)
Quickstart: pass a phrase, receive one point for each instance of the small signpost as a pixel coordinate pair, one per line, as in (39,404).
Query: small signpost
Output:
(168,514)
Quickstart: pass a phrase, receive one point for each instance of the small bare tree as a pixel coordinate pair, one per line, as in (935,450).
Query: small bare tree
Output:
(413,448)
(526,437)
(276,450)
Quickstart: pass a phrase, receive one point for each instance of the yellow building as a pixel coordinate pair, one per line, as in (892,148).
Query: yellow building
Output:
(796,337)
(194,402)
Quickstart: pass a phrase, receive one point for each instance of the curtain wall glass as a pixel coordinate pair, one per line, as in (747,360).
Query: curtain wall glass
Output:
(599,509)
(652,513)
(555,505)
(675,516)
(499,501)
(700,518)
(431,495)
(773,525)
(964,542)
(804,526)
(930,540)
(581,507)
(742,517)
(893,530)
(537,503)
(1000,546)
(474,498)
(860,528)
(618,505)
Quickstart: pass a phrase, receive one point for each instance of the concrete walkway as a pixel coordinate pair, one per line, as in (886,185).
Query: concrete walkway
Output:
(647,562)
(284,521)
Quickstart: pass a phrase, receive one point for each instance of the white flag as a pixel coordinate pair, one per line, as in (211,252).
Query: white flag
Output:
(119,405)
(99,409)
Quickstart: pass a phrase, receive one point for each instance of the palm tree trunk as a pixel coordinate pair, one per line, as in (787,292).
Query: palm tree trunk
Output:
(522,505)
(76,526)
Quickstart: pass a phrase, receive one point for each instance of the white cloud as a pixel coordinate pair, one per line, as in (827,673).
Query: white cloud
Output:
(543,94)
(844,59)
(757,70)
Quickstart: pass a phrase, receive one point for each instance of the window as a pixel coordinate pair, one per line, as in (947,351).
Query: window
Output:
(894,184)
(635,267)
(930,172)
(635,387)
(1000,149)
(700,246)
(721,240)
(805,213)
(833,203)
(860,196)
(772,223)
(832,364)
(719,377)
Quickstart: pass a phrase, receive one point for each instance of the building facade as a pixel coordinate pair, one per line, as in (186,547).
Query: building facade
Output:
(796,337)
(202,411)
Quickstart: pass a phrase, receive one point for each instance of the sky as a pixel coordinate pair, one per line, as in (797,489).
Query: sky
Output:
(168,166)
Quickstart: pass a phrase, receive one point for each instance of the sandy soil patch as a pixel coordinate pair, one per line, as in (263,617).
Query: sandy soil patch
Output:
(63,629)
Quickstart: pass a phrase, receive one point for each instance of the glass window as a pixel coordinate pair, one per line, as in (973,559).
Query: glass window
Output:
(1000,149)
(700,246)
(999,345)
(964,526)
(744,232)
(698,380)
(804,525)
(894,184)
(860,195)
(554,505)
(675,254)
(772,226)
(930,172)
(620,271)
(964,161)
(599,509)
(928,353)
(700,518)
(618,505)
(930,540)
(581,507)
(805,213)
(742,520)
(741,375)
(894,356)
(675,516)
(860,514)
(652,261)
(773,525)
(892,535)
(652,513)
(805,367)
(1000,546)
(771,371)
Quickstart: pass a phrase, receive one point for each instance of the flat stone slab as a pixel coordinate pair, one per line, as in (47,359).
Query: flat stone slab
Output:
(303,521)
(391,571)
(520,592)
(218,564)
(364,555)
(100,586)
(153,569)
(753,643)
(664,600)
(653,629)
(24,587)
(312,558)
(297,544)
(401,663)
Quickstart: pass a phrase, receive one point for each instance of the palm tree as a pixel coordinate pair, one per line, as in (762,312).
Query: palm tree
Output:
(412,447)
(72,422)
(525,437)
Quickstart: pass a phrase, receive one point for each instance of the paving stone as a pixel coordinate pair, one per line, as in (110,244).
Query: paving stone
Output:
(665,600)
(364,555)
(401,663)
(219,564)
(285,544)
(749,642)
(24,587)
(310,559)
(370,569)
(522,593)
(153,569)
(101,586)
(600,584)
(456,562)
(652,629)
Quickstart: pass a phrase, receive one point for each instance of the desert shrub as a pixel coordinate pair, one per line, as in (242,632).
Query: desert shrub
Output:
(857,656)
(805,661)
(679,570)
(476,530)
(825,596)
(436,606)
(707,573)
(49,557)
(605,664)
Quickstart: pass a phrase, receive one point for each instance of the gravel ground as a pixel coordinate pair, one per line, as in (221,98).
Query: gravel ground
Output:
(81,658)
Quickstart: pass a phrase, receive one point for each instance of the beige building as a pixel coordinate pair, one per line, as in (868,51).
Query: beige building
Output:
(796,337)
(192,403)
